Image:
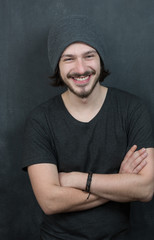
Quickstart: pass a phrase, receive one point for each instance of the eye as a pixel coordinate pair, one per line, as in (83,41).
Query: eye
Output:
(89,56)
(68,59)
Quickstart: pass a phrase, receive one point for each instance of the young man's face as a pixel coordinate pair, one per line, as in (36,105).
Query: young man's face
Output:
(80,69)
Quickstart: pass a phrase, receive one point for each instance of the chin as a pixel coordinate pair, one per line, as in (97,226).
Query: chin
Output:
(82,94)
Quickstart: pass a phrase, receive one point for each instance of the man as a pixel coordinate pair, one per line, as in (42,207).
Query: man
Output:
(89,152)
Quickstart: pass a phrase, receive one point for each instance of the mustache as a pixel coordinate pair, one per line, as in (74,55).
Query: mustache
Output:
(77,75)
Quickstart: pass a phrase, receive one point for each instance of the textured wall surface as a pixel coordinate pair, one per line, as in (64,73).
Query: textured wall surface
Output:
(24,69)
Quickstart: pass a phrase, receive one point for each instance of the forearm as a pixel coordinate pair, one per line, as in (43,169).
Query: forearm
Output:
(53,197)
(117,187)
(121,187)
(134,182)
(127,186)
(64,199)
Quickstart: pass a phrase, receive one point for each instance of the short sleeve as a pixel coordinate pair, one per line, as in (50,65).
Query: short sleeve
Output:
(139,126)
(38,141)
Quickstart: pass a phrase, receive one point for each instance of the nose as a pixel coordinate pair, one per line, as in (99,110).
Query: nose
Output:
(80,66)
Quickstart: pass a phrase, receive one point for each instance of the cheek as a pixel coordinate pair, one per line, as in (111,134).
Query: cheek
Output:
(96,65)
(97,68)
(64,70)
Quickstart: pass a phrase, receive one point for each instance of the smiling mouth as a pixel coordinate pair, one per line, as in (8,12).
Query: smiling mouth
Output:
(79,77)
(82,80)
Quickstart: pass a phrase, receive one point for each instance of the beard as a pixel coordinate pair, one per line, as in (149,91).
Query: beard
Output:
(83,93)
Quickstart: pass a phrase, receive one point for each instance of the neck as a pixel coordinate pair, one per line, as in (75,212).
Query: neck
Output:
(86,109)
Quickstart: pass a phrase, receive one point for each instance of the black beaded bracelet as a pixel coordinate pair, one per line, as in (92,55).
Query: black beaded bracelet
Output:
(88,184)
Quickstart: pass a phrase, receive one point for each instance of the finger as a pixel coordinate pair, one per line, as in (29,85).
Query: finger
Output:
(127,159)
(139,153)
(133,161)
(130,152)
(138,160)
(140,167)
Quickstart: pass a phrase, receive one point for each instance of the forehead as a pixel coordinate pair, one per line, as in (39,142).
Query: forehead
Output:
(77,49)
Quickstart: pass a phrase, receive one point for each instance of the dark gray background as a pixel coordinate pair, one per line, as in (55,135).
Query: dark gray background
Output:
(128,30)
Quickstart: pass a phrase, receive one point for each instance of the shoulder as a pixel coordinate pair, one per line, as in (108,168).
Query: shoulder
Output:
(125,99)
(123,95)
(40,119)
(127,104)
(45,108)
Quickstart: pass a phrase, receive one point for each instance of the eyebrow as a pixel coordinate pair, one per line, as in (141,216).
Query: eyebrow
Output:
(71,55)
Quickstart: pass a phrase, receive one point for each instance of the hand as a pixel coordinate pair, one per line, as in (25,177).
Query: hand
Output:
(134,161)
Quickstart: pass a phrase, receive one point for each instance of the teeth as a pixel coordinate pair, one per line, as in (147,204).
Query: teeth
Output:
(81,78)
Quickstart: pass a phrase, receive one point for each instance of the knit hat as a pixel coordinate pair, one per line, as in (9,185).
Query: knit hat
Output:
(70,30)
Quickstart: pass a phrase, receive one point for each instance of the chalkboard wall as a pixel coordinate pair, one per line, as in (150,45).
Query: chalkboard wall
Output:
(24,69)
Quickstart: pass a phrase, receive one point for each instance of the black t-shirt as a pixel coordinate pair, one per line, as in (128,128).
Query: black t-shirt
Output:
(52,135)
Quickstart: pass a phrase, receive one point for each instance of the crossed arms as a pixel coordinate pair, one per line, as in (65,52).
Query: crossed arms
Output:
(64,192)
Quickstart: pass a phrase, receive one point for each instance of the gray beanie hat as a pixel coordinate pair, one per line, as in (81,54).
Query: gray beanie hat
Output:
(69,30)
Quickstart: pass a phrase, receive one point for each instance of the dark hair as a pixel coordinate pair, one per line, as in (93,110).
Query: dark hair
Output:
(57,80)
